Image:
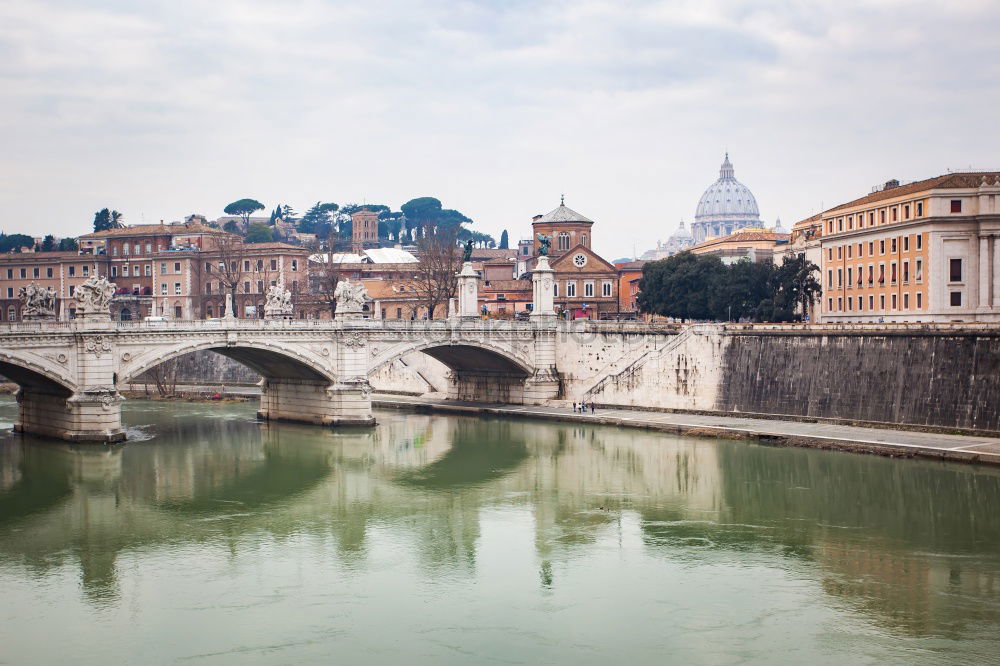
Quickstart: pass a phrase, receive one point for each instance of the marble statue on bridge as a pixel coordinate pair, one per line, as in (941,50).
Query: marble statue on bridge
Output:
(39,302)
(351,298)
(94,296)
(279,302)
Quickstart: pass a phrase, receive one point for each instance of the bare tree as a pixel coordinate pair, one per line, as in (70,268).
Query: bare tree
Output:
(439,262)
(231,254)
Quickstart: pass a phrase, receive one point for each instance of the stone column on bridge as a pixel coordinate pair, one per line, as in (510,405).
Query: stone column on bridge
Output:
(543,385)
(542,286)
(468,291)
(91,412)
(351,395)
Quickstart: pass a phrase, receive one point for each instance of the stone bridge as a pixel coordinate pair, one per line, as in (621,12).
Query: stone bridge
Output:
(69,374)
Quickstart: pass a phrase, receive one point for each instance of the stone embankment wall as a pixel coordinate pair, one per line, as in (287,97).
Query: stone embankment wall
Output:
(919,375)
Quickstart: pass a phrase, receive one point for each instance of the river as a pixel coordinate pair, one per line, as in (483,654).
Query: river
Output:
(430,539)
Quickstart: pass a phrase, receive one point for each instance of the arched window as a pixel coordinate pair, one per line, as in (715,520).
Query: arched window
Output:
(12,313)
(583,239)
(563,240)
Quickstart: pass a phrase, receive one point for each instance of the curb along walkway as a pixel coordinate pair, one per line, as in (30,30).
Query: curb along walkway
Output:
(895,443)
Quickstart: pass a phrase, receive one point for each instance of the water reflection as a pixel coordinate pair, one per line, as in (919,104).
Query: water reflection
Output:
(912,547)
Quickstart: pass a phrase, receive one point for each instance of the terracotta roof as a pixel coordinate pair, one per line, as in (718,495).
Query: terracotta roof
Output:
(274,246)
(152,229)
(744,236)
(631,265)
(948,181)
(385,289)
(508,285)
(44,256)
(492,252)
(808,222)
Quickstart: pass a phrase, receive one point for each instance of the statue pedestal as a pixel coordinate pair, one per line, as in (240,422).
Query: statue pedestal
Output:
(349,313)
(542,294)
(48,317)
(468,291)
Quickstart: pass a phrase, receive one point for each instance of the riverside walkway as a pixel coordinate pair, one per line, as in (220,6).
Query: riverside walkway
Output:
(881,441)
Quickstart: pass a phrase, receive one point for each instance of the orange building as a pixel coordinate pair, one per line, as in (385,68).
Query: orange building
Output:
(923,251)
(629,275)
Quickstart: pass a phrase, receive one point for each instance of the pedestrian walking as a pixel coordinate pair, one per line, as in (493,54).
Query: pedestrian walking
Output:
(593,408)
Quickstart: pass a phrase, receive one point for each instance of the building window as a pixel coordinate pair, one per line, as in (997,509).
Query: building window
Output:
(148,271)
(10,273)
(86,270)
(850,303)
(114,271)
(906,272)
(881,216)
(956,299)
(34,272)
(163,269)
(177,267)
(920,241)
(871,302)
(850,278)
(871,248)
(399,313)
(208,266)
(555,289)
(906,301)
(606,289)
(163,288)
(246,265)
(588,289)
(125,248)
(72,271)
(12,313)
(135,287)
(125,270)
(871,219)
(48,272)
(829,278)
(840,278)
(208,287)
(10,292)
(850,248)
(570,289)
(246,287)
(114,251)
(274,264)
(881,302)
(920,209)
(906,243)
(956,207)
(209,311)
(178,313)
(260,286)
(893,245)
(840,252)
(881,247)
(149,248)
(295,265)
(829,253)
(260,265)
(919,300)
(840,304)
(895,213)
(583,239)
(955,270)
(906,212)
(177,288)
(563,240)
(918,273)
(892,273)
(829,304)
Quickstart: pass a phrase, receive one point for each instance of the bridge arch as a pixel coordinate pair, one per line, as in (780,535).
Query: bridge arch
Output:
(271,361)
(35,374)
(479,371)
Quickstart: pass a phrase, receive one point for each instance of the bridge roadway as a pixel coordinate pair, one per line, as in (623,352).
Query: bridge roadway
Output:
(69,373)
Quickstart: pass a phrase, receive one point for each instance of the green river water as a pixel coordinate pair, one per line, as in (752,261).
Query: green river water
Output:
(212,538)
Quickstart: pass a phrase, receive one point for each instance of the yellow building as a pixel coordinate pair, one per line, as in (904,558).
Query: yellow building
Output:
(754,244)
(924,251)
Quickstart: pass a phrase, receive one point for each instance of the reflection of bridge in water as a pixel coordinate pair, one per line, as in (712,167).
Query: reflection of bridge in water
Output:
(434,480)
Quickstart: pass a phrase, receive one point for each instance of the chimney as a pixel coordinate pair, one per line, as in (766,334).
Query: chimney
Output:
(889,184)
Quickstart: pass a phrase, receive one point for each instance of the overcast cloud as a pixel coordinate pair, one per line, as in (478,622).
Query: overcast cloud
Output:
(161,109)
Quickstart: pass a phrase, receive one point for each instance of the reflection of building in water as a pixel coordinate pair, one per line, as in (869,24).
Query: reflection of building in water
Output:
(900,591)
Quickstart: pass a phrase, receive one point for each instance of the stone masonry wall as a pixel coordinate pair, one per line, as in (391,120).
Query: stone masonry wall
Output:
(941,377)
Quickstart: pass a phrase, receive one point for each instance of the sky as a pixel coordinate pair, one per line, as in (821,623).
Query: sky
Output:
(160,109)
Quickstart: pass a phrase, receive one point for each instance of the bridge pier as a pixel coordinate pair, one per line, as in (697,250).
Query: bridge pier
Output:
(316,402)
(88,416)
(486,386)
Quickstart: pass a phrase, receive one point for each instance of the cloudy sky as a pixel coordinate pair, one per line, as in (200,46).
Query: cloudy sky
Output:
(164,108)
